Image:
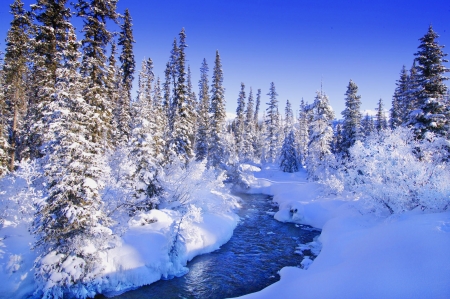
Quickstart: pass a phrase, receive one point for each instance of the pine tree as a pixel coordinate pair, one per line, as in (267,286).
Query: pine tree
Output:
(202,136)
(249,130)
(351,127)
(401,104)
(288,118)
(302,133)
(320,135)
(113,82)
(161,125)
(93,68)
(272,124)
(258,103)
(126,40)
(4,146)
(70,224)
(432,114)
(337,140)
(367,125)
(288,157)
(192,106)
(239,122)
(183,122)
(14,72)
(381,121)
(216,155)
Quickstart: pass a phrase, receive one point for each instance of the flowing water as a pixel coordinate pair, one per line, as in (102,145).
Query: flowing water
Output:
(249,262)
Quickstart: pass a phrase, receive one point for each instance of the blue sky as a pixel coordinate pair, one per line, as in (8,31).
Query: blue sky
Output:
(296,44)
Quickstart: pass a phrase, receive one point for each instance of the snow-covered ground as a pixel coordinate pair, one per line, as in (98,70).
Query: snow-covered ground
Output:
(363,255)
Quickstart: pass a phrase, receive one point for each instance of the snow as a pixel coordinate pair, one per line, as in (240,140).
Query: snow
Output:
(142,253)
(362,255)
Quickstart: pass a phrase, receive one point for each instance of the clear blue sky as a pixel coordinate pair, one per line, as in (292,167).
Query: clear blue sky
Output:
(295,44)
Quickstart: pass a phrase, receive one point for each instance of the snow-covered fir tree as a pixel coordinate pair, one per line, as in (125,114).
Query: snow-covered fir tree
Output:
(272,126)
(238,125)
(320,135)
(399,113)
(380,121)
(70,225)
(184,115)
(127,67)
(160,125)
(288,156)
(113,86)
(216,155)
(351,126)
(14,71)
(288,118)
(249,130)
(4,146)
(302,133)
(367,125)
(257,144)
(202,135)
(95,13)
(432,114)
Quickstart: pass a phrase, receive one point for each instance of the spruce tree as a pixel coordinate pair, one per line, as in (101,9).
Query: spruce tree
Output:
(302,133)
(401,100)
(256,127)
(95,13)
(320,135)
(113,82)
(351,127)
(381,121)
(432,114)
(14,71)
(239,122)
(216,155)
(288,157)
(249,130)
(4,146)
(202,136)
(258,103)
(368,125)
(272,124)
(288,118)
(183,121)
(70,224)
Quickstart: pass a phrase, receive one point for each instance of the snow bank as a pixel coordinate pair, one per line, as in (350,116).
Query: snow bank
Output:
(363,255)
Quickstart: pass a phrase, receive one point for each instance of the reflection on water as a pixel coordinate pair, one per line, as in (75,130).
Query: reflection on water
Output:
(249,262)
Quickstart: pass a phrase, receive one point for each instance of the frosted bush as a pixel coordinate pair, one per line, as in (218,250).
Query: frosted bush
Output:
(398,173)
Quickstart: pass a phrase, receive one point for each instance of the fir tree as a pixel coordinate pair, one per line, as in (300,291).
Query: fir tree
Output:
(401,104)
(351,127)
(249,130)
(126,40)
(367,125)
(288,118)
(432,114)
(381,121)
(4,146)
(183,122)
(216,155)
(239,122)
(202,136)
(70,224)
(320,135)
(258,103)
(93,68)
(14,72)
(272,124)
(302,133)
(288,157)
(113,82)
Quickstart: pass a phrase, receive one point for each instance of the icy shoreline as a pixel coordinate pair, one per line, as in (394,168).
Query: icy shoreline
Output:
(363,255)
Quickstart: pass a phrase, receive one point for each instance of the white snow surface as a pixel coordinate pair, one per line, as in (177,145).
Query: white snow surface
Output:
(363,255)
